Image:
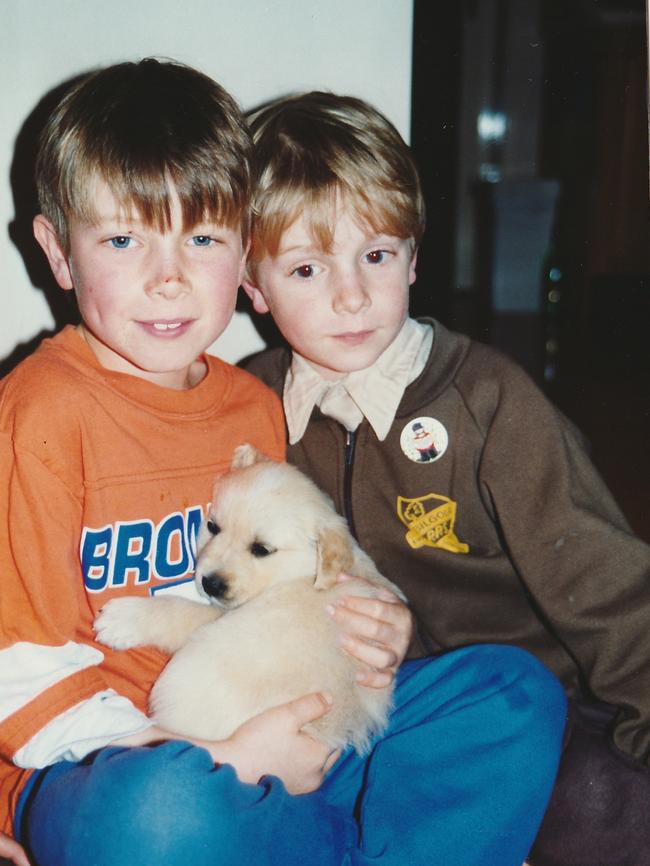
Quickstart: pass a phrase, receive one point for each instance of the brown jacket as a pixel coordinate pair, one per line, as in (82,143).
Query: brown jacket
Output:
(509,536)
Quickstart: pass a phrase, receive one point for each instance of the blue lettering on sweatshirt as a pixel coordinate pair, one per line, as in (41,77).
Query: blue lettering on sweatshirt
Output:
(135,551)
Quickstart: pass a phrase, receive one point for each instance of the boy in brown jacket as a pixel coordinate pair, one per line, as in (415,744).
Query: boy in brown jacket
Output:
(468,488)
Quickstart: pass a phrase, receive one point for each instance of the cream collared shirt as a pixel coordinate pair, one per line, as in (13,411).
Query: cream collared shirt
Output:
(373,393)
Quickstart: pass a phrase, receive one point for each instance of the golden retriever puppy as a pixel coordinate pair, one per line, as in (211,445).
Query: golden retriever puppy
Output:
(268,557)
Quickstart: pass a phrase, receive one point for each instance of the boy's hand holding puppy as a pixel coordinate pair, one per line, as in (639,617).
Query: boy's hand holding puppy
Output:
(376,631)
(270,744)
(274,743)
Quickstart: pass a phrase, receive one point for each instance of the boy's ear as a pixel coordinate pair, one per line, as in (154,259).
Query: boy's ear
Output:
(257,298)
(412,273)
(242,264)
(46,236)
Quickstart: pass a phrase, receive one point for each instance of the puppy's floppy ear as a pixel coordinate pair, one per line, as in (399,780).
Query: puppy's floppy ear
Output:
(246,455)
(334,549)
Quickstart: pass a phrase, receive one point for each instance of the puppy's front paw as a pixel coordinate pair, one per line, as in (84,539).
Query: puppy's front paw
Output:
(120,623)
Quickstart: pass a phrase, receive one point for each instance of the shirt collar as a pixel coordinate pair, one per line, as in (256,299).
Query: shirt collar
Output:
(374,393)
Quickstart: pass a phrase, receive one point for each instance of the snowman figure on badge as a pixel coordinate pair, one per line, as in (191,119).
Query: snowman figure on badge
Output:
(424,440)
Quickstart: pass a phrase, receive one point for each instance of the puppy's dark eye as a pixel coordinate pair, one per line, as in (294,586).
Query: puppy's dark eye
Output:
(259,550)
(212,527)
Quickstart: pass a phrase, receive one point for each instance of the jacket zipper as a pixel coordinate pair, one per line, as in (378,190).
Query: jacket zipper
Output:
(426,642)
(350,442)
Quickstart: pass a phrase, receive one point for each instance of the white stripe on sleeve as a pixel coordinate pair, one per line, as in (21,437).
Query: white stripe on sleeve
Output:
(90,725)
(27,669)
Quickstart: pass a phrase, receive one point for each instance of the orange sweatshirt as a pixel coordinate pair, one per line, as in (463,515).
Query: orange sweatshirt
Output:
(104,480)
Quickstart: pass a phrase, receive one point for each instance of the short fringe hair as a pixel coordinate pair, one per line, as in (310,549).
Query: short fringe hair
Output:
(314,149)
(139,127)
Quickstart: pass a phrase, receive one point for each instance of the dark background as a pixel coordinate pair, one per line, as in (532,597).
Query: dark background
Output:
(582,100)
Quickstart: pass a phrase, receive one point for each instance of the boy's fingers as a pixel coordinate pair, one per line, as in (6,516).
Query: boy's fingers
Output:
(389,610)
(364,625)
(310,707)
(379,657)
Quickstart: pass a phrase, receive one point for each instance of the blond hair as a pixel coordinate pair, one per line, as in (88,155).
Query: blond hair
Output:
(139,127)
(314,149)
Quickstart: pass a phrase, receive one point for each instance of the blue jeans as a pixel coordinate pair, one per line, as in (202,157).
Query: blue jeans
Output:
(461,777)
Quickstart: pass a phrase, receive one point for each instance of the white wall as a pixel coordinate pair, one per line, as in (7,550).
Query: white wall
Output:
(256,49)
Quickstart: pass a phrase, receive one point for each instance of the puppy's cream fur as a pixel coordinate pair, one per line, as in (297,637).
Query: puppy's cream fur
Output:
(269,555)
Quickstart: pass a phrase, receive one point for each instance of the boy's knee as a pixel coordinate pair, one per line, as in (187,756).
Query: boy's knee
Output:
(502,687)
(504,665)
(527,687)
(541,683)
(532,706)
(511,686)
(169,808)
(162,805)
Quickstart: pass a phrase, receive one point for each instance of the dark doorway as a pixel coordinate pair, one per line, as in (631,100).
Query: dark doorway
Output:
(530,128)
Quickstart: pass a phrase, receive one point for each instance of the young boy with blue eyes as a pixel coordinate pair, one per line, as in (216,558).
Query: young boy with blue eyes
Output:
(459,478)
(111,436)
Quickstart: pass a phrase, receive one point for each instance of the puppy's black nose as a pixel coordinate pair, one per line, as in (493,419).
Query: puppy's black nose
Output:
(214,585)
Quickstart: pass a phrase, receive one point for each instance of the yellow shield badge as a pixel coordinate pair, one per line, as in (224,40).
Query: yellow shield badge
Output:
(430,522)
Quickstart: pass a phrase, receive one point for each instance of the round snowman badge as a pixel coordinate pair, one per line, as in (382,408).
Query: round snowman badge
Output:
(424,440)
